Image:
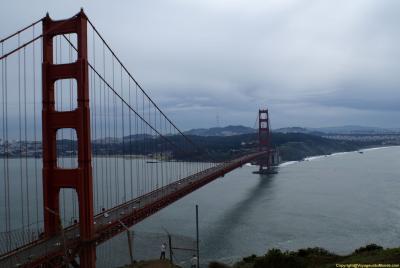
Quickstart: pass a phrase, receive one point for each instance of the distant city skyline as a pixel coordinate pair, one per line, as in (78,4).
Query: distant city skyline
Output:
(209,63)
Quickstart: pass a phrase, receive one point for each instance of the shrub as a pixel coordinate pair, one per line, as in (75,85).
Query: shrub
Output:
(250,258)
(215,264)
(368,248)
(313,251)
(276,259)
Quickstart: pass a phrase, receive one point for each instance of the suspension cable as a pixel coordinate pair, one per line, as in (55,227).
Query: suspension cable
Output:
(140,87)
(142,90)
(20,31)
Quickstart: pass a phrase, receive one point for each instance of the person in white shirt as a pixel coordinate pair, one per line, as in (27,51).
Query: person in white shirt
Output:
(105,214)
(163,247)
(193,262)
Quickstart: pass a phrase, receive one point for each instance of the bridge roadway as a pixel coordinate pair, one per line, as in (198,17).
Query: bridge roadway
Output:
(111,222)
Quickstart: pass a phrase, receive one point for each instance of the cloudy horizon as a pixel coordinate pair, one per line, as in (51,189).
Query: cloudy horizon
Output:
(312,63)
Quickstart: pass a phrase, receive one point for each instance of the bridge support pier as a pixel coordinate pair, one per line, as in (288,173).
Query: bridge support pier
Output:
(54,177)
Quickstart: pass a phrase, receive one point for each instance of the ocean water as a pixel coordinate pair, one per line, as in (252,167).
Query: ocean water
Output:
(339,202)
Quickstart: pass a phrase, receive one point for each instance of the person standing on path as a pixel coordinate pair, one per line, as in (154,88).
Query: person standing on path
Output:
(193,262)
(163,248)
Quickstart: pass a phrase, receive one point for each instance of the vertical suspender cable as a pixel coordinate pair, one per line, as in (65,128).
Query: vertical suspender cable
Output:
(144,147)
(149,147)
(155,146)
(95,116)
(4,142)
(101,142)
(137,140)
(6,152)
(20,139)
(115,119)
(35,133)
(106,131)
(108,123)
(26,143)
(130,137)
(123,140)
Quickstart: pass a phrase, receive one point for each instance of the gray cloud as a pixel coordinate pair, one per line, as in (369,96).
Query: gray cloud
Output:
(311,62)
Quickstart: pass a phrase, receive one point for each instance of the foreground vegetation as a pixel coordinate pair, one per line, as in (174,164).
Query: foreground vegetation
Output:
(317,257)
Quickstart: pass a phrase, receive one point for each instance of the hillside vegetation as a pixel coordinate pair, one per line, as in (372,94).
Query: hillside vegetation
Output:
(292,146)
(318,257)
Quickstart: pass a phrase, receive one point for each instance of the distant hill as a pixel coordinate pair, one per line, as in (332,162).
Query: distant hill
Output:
(221,131)
(131,138)
(298,130)
(292,130)
(338,130)
(322,131)
(354,130)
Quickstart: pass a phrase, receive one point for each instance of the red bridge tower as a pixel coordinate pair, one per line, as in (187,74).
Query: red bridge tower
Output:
(264,140)
(54,177)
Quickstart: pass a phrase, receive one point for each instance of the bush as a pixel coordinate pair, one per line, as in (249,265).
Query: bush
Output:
(249,258)
(368,248)
(276,259)
(215,264)
(313,252)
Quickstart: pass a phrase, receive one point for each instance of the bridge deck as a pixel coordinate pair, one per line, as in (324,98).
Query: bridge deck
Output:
(112,222)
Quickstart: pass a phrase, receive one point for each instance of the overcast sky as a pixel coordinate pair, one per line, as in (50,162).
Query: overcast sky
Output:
(312,63)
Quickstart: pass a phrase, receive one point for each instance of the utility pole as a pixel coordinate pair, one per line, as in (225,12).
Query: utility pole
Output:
(170,250)
(197,236)
(128,233)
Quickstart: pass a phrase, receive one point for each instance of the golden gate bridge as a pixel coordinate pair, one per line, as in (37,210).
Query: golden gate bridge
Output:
(85,152)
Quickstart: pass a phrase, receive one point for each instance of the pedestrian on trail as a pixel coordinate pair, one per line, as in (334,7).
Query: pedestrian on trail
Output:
(105,214)
(163,247)
(193,262)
